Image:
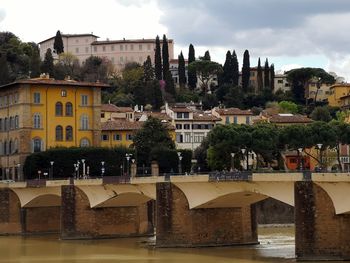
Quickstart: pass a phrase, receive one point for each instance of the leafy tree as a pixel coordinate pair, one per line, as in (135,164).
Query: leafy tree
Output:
(68,65)
(182,70)
(152,135)
(205,70)
(259,76)
(321,114)
(47,66)
(96,69)
(245,71)
(192,76)
(235,69)
(165,53)
(287,107)
(58,43)
(148,71)
(158,61)
(342,131)
(267,74)
(207,56)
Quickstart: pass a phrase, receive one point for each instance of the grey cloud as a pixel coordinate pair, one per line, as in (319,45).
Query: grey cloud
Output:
(2,14)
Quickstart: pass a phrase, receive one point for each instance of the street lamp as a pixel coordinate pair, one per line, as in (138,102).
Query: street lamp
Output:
(51,170)
(319,146)
(121,170)
(102,168)
(83,162)
(232,161)
(244,150)
(39,173)
(180,158)
(78,164)
(128,156)
(300,151)
(19,171)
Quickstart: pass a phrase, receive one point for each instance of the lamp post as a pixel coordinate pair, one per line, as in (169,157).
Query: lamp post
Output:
(232,162)
(180,158)
(319,146)
(121,170)
(244,150)
(19,172)
(128,156)
(83,162)
(300,151)
(39,173)
(51,170)
(78,164)
(102,168)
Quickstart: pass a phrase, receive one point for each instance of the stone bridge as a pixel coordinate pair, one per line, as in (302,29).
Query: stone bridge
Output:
(189,211)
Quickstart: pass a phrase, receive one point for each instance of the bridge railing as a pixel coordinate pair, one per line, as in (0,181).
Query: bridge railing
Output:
(230,176)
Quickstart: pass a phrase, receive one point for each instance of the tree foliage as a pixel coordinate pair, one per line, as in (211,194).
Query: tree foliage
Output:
(192,76)
(158,60)
(58,43)
(182,70)
(245,71)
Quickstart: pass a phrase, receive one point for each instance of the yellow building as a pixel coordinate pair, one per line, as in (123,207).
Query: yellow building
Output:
(38,114)
(110,112)
(317,91)
(233,115)
(338,91)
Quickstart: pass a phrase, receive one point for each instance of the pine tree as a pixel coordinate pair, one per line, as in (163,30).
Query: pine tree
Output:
(47,66)
(165,56)
(227,76)
(58,43)
(207,55)
(272,76)
(266,74)
(192,76)
(245,71)
(235,69)
(158,60)
(259,77)
(182,70)
(148,72)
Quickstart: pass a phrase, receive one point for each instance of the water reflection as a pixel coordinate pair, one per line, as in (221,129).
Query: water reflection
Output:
(276,245)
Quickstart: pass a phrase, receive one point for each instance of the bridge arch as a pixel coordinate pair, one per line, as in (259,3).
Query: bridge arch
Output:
(38,197)
(338,193)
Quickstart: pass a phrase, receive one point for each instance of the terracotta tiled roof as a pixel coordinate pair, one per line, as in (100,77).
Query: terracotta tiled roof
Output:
(47,81)
(181,109)
(114,108)
(105,42)
(233,111)
(121,125)
(198,116)
(70,35)
(289,118)
(158,115)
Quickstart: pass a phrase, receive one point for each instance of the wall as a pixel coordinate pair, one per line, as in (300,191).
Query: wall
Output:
(178,226)
(272,211)
(10,217)
(79,221)
(320,233)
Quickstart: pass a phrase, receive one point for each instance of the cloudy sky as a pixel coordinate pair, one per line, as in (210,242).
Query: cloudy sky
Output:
(290,33)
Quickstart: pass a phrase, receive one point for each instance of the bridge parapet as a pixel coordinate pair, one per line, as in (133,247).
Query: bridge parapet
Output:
(331,177)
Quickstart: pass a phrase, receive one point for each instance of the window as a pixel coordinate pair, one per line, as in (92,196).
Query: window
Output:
(7,125)
(84,122)
(227,120)
(121,47)
(1,148)
(131,47)
(198,137)
(36,97)
(126,47)
(84,100)
(178,126)
(86,49)
(37,145)
(280,81)
(59,133)
(117,137)
(102,114)
(69,133)
(1,125)
(103,48)
(63,93)
(104,137)
(84,142)
(12,123)
(58,109)
(36,121)
(10,99)
(10,149)
(187,137)
(140,47)
(129,137)
(187,127)
(235,119)
(1,101)
(77,50)
(69,109)
(95,49)
(5,148)
(121,59)
(148,46)
(247,120)
(186,115)
(112,48)
(15,146)
(179,137)
(16,97)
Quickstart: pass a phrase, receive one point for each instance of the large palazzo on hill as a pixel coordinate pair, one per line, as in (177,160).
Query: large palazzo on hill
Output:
(38,114)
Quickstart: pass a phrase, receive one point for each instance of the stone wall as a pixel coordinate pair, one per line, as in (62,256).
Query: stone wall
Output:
(41,220)
(320,233)
(178,226)
(272,211)
(10,216)
(79,221)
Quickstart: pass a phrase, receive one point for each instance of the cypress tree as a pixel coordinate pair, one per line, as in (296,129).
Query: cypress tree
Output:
(235,69)
(207,55)
(245,71)
(47,66)
(227,69)
(266,74)
(158,60)
(182,70)
(165,53)
(58,43)
(260,77)
(192,76)
(272,76)
(148,72)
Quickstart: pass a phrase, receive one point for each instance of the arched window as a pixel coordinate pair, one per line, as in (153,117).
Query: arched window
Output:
(59,133)
(69,109)
(16,122)
(84,142)
(10,147)
(1,148)
(1,125)
(12,123)
(84,122)
(15,146)
(37,145)
(5,147)
(69,133)
(59,109)
(6,124)
(37,121)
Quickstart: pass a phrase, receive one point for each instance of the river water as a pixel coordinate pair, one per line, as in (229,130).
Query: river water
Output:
(276,245)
